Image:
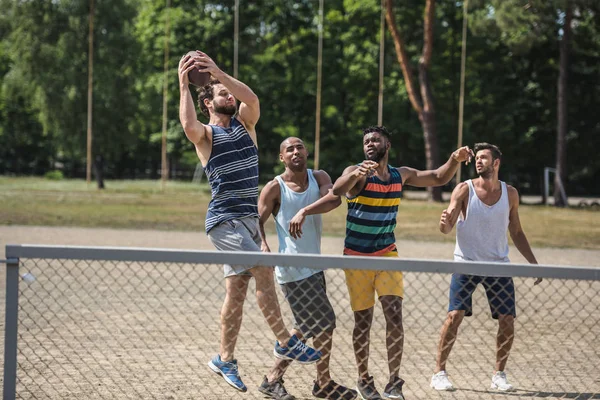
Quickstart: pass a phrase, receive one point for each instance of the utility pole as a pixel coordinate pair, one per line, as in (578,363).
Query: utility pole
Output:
(164,175)
(88,168)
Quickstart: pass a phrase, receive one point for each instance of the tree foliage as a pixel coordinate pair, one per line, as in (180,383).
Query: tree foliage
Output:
(511,91)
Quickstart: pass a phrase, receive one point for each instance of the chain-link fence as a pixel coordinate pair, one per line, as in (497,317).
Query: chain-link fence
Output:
(101,323)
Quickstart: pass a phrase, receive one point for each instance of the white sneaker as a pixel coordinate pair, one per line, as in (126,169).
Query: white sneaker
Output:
(499,382)
(440,381)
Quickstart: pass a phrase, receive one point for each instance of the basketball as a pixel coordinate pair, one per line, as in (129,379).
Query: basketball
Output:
(196,76)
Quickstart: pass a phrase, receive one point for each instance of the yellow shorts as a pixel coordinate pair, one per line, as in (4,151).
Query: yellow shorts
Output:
(362,285)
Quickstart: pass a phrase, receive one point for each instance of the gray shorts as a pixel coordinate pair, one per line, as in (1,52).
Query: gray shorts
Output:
(313,313)
(236,235)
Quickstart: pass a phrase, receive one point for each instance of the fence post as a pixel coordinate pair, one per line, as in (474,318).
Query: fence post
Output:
(11,327)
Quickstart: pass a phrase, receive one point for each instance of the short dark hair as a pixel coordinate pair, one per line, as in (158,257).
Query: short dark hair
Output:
(378,129)
(206,92)
(496,153)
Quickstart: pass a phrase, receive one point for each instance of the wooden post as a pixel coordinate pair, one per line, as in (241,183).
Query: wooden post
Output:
(381,64)
(461,101)
(236,37)
(319,78)
(88,168)
(164,175)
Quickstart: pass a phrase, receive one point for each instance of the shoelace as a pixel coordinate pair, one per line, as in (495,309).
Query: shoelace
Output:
(301,346)
(233,368)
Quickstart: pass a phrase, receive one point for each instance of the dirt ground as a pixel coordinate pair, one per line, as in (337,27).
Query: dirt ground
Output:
(91,330)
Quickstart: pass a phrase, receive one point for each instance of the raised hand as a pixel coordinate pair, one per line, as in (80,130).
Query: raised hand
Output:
(206,64)
(366,168)
(463,154)
(186,64)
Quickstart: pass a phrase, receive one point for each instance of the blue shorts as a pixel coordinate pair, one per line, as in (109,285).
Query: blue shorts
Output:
(500,294)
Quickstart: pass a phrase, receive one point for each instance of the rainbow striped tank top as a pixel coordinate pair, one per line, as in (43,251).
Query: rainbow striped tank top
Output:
(371,218)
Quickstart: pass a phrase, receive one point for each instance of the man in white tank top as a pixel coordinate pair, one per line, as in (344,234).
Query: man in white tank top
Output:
(296,198)
(483,210)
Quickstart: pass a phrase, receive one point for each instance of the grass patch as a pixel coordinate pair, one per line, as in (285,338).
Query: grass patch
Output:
(182,206)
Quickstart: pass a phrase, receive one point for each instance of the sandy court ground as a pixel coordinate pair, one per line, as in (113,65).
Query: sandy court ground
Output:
(135,330)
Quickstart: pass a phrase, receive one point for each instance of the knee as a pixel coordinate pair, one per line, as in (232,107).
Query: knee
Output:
(263,276)
(507,323)
(235,295)
(454,319)
(394,321)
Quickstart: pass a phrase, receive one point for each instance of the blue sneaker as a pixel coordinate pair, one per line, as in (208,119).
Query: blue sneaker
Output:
(297,351)
(229,371)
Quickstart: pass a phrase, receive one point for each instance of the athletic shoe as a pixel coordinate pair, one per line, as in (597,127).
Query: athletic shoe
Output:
(393,390)
(229,371)
(440,381)
(366,389)
(333,391)
(275,390)
(297,351)
(499,382)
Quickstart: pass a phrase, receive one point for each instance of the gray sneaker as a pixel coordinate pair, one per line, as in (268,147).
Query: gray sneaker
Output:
(275,390)
(366,389)
(393,390)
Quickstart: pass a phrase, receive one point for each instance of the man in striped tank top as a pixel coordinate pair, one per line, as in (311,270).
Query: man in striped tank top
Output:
(483,210)
(226,147)
(373,190)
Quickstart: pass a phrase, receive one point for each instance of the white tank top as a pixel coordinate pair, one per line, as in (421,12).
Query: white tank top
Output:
(310,242)
(482,234)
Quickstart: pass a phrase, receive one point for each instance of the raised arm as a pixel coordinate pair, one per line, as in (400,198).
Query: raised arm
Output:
(439,176)
(326,203)
(194,129)
(458,204)
(249,112)
(353,179)
(268,204)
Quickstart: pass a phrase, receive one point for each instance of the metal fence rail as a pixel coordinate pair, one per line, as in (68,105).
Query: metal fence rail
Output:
(112,323)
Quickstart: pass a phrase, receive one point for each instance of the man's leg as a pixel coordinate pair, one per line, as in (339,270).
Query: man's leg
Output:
(392,311)
(447,338)
(504,340)
(231,313)
(281,366)
(361,340)
(501,298)
(323,343)
(267,301)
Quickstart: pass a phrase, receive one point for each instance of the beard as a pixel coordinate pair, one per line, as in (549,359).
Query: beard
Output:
(227,110)
(485,173)
(377,156)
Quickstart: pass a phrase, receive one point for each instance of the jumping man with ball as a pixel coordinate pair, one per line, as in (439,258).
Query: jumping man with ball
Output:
(227,149)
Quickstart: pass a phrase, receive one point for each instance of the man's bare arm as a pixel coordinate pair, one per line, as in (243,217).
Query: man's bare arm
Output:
(268,204)
(516,231)
(353,179)
(439,176)
(326,203)
(249,111)
(194,129)
(450,215)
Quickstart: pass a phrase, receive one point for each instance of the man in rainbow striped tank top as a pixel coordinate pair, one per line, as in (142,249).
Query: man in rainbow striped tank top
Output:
(373,190)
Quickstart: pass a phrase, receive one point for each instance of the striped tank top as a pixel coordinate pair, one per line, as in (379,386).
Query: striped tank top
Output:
(232,172)
(371,218)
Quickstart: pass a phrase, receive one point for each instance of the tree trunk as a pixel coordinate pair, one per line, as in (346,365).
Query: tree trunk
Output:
(561,134)
(427,118)
(421,99)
